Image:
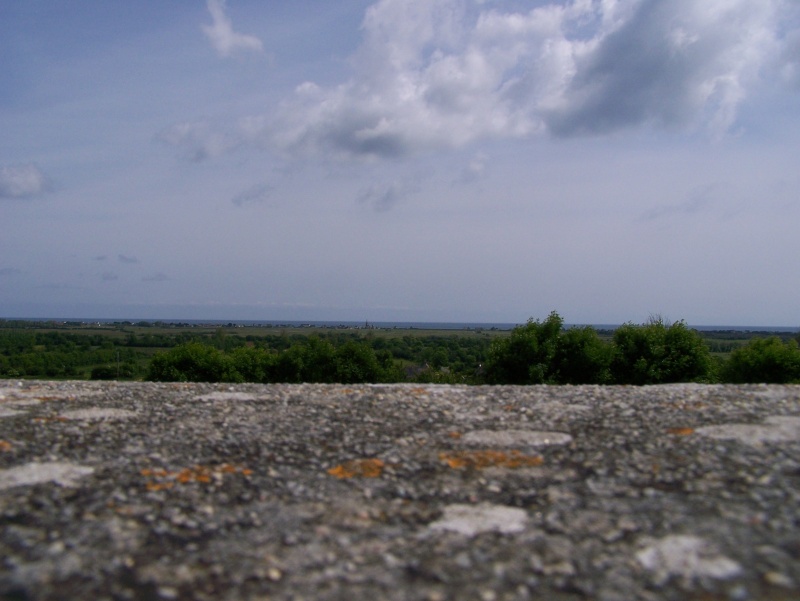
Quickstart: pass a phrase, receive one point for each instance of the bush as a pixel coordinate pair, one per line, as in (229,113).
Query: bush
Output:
(657,353)
(582,358)
(767,360)
(253,364)
(289,366)
(543,353)
(111,372)
(193,362)
(528,355)
(103,372)
(319,363)
(356,363)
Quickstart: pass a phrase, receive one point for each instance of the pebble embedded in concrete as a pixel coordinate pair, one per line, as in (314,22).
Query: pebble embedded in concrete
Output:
(474,519)
(516,438)
(59,472)
(689,557)
(775,429)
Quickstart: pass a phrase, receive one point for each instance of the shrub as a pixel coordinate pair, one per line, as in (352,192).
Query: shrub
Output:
(656,353)
(103,372)
(767,360)
(113,372)
(192,362)
(528,355)
(319,362)
(253,364)
(289,366)
(582,358)
(356,363)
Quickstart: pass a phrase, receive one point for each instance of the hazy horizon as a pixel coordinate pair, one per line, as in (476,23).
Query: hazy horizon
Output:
(372,322)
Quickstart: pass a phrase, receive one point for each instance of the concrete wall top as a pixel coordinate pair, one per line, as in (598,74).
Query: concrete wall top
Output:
(200,491)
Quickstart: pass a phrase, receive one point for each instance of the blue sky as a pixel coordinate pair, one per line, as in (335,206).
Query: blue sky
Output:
(427,160)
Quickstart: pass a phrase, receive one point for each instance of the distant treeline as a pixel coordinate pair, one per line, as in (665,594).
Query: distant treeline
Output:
(539,352)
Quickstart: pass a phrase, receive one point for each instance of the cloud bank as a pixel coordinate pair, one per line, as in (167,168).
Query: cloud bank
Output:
(222,36)
(444,73)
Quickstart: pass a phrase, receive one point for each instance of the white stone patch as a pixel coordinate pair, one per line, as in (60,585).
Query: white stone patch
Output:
(25,402)
(688,557)
(485,517)
(227,396)
(9,412)
(774,393)
(65,474)
(98,413)
(515,438)
(778,428)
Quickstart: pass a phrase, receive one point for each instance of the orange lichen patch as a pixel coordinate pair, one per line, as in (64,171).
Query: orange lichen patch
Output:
(161,479)
(5,445)
(358,468)
(680,431)
(455,435)
(489,458)
(155,486)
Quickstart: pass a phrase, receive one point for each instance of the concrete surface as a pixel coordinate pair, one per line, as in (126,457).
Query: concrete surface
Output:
(191,491)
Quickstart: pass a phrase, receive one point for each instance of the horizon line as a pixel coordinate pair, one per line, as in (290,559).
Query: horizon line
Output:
(417,324)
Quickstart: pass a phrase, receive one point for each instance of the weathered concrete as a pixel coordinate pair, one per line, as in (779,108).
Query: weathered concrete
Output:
(175,491)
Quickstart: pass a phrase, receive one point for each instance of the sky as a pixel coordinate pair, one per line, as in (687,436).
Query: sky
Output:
(401,160)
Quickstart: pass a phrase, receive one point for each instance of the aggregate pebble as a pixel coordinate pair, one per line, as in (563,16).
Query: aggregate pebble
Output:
(143,491)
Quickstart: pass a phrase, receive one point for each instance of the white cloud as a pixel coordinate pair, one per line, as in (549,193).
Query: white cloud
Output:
(22,181)
(222,36)
(790,59)
(671,63)
(200,140)
(445,73)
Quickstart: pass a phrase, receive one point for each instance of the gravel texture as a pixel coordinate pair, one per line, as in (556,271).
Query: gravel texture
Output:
(140,491)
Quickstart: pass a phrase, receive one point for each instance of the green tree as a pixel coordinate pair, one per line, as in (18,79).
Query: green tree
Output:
(319,361)
(656,353)
(527,356)
(289,366)
(253,364)
(583,358)
(193,362)
(356,363)
(764,360)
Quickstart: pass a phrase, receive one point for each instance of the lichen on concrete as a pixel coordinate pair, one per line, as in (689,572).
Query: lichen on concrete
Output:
(113,490)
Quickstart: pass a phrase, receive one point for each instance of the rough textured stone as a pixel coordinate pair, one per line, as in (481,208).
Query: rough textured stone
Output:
(196,491)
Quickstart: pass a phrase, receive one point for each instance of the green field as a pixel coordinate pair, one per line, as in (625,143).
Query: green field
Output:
(124,350)
(69,349)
